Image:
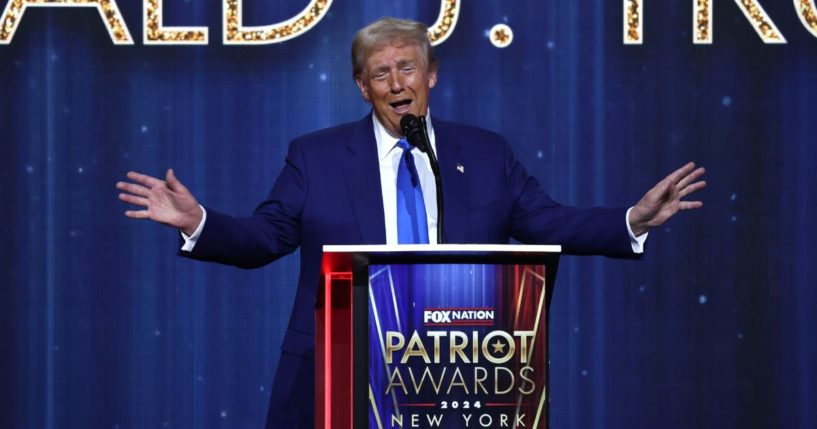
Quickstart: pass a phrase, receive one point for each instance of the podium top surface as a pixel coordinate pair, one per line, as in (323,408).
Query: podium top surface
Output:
(442,248)
(345,257)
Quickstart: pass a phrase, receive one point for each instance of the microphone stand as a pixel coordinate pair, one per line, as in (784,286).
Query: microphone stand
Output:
(435,168)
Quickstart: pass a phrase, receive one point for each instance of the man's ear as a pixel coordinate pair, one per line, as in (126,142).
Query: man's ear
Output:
(364,90)
(432,76)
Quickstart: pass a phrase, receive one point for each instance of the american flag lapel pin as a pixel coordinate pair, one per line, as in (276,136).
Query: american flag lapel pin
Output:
(460,168)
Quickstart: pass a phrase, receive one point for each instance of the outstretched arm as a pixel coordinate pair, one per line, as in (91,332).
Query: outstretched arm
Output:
(165,201)
(664,199)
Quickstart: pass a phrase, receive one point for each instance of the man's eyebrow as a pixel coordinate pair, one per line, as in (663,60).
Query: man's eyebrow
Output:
(406,62)
(400,63)
(380,68)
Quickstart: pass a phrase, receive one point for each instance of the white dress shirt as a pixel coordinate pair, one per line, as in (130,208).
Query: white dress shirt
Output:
(388,155)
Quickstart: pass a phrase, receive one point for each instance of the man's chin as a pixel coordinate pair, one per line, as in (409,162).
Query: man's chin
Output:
(392,125)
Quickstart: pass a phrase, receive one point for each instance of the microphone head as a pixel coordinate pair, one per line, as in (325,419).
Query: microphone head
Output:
(413,131)
(408,122)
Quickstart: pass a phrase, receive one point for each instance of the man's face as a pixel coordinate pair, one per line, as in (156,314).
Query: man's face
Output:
(396,81)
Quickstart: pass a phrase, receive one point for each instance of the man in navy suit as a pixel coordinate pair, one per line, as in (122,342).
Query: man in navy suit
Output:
(338,187)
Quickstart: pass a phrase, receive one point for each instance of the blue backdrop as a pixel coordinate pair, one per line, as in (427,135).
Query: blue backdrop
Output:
(102,325)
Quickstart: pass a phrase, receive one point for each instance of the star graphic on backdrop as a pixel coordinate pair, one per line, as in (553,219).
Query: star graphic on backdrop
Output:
(500,35)
(498,347)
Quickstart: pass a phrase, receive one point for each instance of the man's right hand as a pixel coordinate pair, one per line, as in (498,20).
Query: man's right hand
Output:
(164,201)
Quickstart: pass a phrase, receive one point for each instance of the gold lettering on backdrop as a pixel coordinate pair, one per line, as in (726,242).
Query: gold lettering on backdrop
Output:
(702,22)
(633,26)
(761,22)
(446,21)
(108,10)
(235,33)
(500,35)
(155,33)
(807,13)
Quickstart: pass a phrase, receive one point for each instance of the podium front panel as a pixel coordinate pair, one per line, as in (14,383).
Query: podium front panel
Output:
(442,341)
(457,345)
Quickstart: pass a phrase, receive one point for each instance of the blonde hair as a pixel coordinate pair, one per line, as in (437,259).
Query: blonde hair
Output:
(385,31)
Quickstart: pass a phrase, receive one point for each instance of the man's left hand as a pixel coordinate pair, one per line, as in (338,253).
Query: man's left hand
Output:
(664,199)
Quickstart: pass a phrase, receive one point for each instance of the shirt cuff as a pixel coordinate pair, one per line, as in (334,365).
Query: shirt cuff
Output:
(190,242)
(637,243)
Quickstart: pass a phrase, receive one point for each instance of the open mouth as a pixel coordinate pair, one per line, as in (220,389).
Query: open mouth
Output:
(401,106)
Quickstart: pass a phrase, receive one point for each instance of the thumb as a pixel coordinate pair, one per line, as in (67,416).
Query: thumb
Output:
(172,182)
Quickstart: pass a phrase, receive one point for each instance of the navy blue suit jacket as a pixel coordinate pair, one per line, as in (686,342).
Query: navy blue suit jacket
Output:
(329,193)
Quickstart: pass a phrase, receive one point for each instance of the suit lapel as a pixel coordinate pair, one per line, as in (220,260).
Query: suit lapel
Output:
(449,156)
(361,171)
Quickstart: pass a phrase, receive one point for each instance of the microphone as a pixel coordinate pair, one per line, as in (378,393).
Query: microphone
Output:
(416,133)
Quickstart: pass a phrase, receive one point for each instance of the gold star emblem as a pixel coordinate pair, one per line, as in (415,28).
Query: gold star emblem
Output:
(498,347)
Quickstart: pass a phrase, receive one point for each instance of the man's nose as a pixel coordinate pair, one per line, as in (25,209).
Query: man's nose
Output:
(397,84)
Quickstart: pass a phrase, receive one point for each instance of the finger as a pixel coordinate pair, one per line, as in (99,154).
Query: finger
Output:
(678,174)
(137,214)
(133,189)
(691,177)
(144,179)
(133,199)
(691,188)
(173,183)
(686,205)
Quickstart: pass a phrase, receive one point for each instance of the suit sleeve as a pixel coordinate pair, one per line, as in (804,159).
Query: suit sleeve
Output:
(536,218)
(272,231)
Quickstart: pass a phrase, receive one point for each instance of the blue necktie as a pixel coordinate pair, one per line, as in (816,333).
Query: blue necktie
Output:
(412,227)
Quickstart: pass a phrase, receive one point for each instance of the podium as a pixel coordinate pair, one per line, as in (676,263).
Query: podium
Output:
(443,336)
